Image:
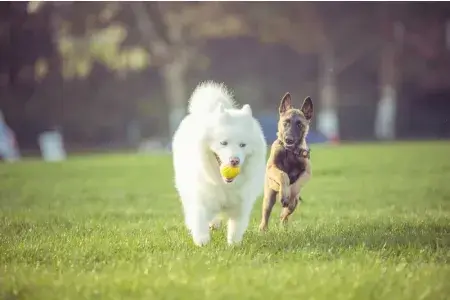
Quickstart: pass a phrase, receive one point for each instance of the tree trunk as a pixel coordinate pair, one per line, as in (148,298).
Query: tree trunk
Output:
(174,78)
(447,34)
(385,118)
(51,109)
(327,118)
(386,107)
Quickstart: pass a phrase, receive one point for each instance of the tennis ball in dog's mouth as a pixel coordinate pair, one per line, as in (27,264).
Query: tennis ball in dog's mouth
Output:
(230,172)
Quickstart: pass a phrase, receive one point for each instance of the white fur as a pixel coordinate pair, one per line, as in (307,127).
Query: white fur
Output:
(213,118)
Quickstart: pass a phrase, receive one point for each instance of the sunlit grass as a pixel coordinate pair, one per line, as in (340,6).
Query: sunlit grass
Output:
(375,225)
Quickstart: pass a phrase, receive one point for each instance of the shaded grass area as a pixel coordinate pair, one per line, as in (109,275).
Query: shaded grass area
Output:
(375,225)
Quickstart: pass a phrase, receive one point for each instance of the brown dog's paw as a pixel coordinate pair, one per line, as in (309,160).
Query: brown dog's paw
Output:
(262,227)
(285,196)
(285,201)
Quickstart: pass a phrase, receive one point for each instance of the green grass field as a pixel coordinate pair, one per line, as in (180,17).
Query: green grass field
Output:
(375,225)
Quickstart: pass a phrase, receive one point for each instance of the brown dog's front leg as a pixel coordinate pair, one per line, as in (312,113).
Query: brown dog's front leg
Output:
(270,197)
(282,185)
(288,210)
(295,190)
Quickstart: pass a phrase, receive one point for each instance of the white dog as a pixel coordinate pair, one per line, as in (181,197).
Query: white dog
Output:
(214,133)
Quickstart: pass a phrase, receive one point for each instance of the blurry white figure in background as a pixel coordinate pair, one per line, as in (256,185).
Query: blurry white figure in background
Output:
(8,144)
(52,146)
(385,116)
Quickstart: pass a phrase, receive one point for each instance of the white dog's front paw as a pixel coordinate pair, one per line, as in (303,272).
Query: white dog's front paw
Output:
(234,237)
(201,240)
(234,241)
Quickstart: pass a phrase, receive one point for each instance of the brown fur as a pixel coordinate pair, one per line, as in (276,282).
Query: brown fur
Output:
(288,167)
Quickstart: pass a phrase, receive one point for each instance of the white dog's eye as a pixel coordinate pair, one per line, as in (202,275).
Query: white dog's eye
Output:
(224,143)
(242,145)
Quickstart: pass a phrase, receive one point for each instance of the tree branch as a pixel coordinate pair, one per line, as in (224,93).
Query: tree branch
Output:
(351,58)
(157,45)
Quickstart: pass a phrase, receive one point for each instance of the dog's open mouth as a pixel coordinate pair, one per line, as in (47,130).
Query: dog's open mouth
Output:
(290,144)
(289,147)
(219,162)
(218,159)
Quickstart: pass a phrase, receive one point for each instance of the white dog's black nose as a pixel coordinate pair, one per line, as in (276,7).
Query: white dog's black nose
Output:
(234,161)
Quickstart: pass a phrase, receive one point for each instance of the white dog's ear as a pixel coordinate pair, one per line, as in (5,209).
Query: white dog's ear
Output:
(247,109)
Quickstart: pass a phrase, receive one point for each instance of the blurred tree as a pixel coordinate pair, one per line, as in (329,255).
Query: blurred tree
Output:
(135,35)
(174,33)
(391,34)
(170,35)
(19,32)
(339,33)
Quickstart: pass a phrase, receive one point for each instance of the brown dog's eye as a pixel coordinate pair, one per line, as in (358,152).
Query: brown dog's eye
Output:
(286,122)
(299,125)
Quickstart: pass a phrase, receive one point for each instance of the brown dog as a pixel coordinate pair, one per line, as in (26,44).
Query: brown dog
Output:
(288,167)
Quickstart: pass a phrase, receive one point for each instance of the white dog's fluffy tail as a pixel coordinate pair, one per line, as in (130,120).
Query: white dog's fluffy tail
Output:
(208,95)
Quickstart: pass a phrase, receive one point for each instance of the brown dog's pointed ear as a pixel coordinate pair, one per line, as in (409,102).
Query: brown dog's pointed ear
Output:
(286,103)
(307,108)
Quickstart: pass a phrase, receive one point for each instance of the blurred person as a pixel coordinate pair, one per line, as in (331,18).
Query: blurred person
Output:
(8,143)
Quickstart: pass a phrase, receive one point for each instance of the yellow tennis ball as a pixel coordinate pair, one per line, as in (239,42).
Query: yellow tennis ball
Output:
(230,172)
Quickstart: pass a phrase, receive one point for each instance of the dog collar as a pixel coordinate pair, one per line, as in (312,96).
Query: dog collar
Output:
(305,153)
